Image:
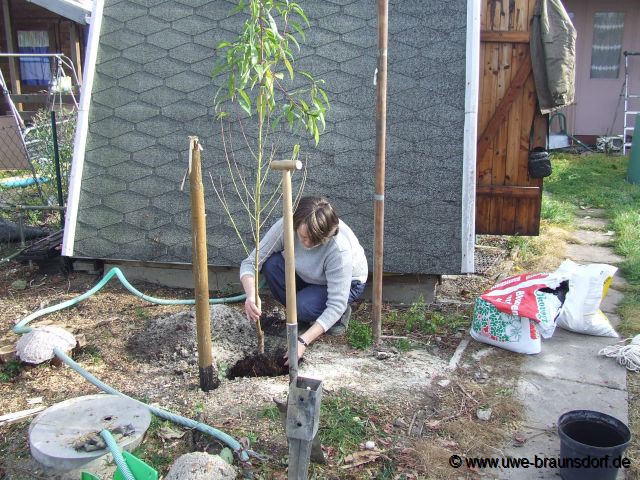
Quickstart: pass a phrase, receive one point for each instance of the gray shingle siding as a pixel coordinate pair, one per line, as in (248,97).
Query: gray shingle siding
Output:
(152,90)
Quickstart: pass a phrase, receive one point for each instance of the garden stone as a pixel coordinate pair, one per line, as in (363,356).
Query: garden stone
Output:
(201,466)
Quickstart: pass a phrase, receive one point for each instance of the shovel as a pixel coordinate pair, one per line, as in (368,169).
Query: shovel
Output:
(305,394)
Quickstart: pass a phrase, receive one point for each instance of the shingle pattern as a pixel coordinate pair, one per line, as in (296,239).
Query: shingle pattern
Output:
(153,89)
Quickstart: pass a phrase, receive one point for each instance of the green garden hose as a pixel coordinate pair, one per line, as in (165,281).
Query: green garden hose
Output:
(201,427)
(119,460)
(21,327)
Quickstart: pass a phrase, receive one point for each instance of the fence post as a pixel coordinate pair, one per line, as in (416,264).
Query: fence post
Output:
(56,159)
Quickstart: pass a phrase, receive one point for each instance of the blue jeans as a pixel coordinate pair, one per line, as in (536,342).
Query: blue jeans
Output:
(311,299)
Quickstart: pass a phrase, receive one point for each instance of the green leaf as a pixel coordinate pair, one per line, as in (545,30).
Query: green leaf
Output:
(238,8)
(296,8)
(227,455)
(244,101)
(289,67)
(298,29)
(223,45)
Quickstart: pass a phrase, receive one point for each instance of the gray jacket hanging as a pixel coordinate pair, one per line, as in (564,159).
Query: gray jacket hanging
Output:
(553,55)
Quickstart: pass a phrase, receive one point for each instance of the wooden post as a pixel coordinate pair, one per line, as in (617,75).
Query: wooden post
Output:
(208,376)
(381,132)
(75,51)
(11,48)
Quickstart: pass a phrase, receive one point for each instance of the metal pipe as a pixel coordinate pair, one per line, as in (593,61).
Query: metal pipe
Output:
(381,131)
(56,159)
(31,55)
(31,207)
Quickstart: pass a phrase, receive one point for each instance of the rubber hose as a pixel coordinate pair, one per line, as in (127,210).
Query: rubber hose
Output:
(201,427)
(20,327)
(117,454)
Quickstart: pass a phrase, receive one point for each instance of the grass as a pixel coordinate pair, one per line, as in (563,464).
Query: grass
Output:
(359,334)
(343,421)
(598,180)
(10,370)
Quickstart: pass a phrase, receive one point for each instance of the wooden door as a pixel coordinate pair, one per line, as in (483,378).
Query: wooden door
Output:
(507,199)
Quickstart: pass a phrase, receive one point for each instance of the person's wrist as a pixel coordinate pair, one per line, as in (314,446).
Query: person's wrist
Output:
(303,341)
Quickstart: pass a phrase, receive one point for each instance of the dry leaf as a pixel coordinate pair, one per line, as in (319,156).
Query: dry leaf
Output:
(360,458)
(433,424)
(168,433)
(450,444)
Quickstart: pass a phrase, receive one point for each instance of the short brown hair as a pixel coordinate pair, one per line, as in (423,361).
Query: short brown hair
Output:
(319,216)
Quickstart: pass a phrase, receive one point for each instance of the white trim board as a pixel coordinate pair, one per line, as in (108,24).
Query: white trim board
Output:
(76,10)
(472,82)
(80,141)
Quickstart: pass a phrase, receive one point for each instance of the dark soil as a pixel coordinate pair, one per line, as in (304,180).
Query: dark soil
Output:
(260,365)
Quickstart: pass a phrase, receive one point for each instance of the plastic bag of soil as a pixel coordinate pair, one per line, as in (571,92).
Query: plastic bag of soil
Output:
(536,296)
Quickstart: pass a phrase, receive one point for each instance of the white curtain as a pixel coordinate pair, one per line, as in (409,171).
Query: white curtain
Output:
(34,70)
(608,28)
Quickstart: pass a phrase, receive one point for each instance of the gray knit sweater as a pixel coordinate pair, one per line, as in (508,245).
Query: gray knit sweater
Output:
(334,264)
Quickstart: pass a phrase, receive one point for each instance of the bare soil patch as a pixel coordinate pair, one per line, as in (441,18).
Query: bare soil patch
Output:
(149,352)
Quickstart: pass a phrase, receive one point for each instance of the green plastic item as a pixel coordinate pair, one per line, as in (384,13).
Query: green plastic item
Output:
(633,171)
(140,470)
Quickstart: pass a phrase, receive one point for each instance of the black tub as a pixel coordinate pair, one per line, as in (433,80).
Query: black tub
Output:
(591,445)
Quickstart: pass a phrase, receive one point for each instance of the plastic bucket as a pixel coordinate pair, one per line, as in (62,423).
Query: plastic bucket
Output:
(591,445)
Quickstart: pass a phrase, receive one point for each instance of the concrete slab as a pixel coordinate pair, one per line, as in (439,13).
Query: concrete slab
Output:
(591,237)
(590,223)
(591,212)
(573,356)
(54,432)
(592,254)
(619,282)
(614,320)
(545,399)
(611,301)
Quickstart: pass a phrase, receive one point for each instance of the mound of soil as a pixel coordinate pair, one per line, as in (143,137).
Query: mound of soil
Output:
(171,341)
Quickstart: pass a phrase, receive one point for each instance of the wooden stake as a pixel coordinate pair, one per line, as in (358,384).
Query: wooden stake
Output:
(208,377)
(381,131)
(16,87)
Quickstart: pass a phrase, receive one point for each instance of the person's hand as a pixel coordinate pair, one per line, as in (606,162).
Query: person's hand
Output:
(252,310)
(301,350)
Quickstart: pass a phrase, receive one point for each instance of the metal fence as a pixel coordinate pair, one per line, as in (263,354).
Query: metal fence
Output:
(35,163)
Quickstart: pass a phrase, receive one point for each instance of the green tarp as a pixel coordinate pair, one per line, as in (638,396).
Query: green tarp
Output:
(553,54)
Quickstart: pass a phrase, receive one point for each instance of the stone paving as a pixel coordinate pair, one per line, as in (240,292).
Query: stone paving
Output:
(569,374)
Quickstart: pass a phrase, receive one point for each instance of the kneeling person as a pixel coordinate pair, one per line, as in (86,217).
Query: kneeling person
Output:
(331,269)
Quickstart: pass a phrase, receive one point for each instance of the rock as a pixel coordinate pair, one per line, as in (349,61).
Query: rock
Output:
(37,345)
(370,445)
(201,466)
(444,383)
(19,285)
(484,414)
(383,355)
(400,423)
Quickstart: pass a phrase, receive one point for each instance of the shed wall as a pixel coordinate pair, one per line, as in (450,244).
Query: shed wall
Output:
(153,88)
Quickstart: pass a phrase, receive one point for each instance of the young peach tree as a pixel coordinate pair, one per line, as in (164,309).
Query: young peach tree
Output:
(261,79)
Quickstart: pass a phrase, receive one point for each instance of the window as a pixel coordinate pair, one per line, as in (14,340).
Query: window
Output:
(607,44)
(34,70)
